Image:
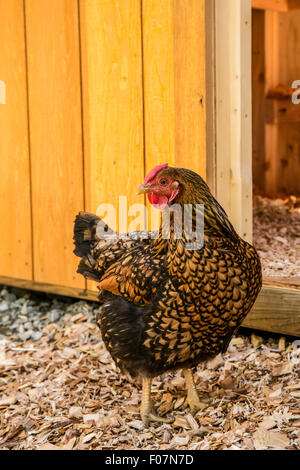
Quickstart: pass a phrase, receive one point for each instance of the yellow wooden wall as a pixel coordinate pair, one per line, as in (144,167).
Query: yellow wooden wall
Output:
(98,92)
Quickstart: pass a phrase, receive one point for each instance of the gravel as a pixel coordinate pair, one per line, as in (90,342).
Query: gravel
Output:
(24,314)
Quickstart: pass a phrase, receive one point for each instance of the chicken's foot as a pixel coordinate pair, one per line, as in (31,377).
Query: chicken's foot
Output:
(192,395)
(147,411)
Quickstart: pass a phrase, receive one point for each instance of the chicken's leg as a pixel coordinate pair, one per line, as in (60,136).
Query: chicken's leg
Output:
(147,412)
(192,395)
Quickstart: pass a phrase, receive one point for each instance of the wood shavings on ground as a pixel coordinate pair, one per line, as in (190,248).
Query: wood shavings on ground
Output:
(64,392)
(276,235)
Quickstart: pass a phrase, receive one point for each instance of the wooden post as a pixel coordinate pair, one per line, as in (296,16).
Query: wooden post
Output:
(210,46)
(233,112)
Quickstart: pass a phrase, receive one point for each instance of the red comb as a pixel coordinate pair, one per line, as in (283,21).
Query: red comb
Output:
(154,172)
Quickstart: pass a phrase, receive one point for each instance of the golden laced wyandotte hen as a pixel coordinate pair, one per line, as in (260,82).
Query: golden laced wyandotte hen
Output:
(167,304)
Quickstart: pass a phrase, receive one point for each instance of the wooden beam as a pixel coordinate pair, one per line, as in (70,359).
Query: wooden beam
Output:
(286,282)
(233,112)
(277,5)
(276,310)
(49,288)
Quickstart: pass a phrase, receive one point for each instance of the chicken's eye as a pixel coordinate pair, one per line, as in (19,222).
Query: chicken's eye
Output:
(163,182)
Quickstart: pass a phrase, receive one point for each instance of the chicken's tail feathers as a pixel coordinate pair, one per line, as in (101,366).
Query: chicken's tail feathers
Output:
(87,271)
(85,233)
(91,239)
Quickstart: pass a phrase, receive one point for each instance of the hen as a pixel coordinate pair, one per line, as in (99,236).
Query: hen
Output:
(167,303)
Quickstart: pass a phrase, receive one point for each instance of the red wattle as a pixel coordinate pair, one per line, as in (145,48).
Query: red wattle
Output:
(159,202)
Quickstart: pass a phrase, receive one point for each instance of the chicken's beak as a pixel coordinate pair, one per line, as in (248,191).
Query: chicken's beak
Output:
(142,189)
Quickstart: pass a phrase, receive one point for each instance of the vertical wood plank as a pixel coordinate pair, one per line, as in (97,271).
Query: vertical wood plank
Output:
(56,137)
(223,102)
(158,84)
(241,119)
(233,109)
(210,72)
(174,60)
(175,83)
(258,98)
(112,101)
(190,84)
(272,77)
(288,156)
(158,60)
(15,241)
(175,86)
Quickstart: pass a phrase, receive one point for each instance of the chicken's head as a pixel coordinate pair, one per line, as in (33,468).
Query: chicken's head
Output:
(160,186)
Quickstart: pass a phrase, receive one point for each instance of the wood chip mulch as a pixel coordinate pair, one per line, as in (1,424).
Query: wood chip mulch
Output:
(64,392)
(276,235)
